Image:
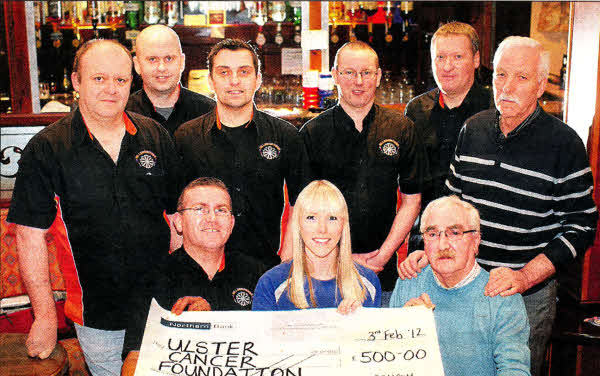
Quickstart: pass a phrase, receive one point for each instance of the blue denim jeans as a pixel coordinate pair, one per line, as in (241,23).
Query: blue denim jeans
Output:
(541,311)
(101,349)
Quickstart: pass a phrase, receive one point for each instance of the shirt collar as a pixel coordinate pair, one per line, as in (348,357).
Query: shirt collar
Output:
(220,126)
(475,270)
(148,103)
(524,124)
(344,120)
(471,96)
(81,132)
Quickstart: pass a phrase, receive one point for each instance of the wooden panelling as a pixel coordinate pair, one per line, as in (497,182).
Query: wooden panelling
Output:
(18,58)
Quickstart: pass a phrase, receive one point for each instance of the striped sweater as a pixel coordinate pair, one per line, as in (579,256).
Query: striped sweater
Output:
(533,189)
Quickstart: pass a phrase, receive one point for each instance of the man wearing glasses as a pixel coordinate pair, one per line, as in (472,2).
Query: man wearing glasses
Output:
(198,276)
(253,153)
(492,338)
(368,152)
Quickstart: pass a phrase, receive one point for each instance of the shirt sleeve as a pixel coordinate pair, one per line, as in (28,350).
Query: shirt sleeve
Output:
(511,336)
(264,295)
(411,166)
(174,173)
(574,209)
(298,168)
(376,300)
(33,201)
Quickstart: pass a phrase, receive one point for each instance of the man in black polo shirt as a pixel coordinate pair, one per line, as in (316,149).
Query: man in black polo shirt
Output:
(368,152)
(440,113)
(252,152)
(160,62)
(200,275)
(108,175)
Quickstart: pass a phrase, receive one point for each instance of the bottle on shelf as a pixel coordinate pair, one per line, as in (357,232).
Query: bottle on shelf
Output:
(171,12)
(276,11)
(278,35)
(336,11)
(66,83)
(563,72)
(54,11)
(133,14)
(152,13)
(326,90)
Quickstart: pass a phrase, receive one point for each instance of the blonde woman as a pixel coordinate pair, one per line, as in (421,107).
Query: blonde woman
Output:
(321,273)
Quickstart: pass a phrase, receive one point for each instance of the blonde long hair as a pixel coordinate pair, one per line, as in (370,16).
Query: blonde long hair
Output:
(318,195)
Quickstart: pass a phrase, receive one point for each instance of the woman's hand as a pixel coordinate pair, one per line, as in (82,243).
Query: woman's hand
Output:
(348,306)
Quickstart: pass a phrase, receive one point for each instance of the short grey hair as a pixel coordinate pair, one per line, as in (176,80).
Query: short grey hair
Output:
(544,56)
(472,213)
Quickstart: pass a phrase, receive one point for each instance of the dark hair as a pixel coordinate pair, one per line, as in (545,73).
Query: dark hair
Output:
(202,182)
(89,45)
(232,45)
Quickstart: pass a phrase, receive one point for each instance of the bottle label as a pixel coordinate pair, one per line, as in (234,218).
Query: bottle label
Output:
(131,7)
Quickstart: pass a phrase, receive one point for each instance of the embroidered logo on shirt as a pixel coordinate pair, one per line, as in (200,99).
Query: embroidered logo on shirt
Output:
(269,151)
(242,296)
(146,159)
(389,147)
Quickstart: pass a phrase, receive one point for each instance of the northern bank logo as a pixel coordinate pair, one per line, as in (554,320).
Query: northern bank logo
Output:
(185,325)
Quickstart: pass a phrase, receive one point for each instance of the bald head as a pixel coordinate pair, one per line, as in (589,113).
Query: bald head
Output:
(356,46)
(157,34)
(160,62)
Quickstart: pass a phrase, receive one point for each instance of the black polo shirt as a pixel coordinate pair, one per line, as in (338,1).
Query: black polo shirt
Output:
(438,127)
(368,167)
(231,289)
(189,106)
(113,213)
(254,170)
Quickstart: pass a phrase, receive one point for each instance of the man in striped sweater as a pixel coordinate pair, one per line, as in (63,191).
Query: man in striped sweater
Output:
(528,175)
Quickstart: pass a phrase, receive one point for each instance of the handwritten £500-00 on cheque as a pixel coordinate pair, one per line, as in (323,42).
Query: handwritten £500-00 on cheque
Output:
(313,342)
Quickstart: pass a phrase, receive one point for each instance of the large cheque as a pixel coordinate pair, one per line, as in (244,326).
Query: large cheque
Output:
(370,342)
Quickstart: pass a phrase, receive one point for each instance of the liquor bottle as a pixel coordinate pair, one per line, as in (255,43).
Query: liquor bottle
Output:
(170,12)
(152,12)
(260,15)
(113,12)
(407,18)
(54,11)
(563,73)
(133,13)
(297,21)
(379,16)
(276,11)
(94,13)
(336,11)
(66,83)
(278,35)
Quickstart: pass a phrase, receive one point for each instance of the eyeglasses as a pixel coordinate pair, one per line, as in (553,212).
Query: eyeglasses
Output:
(453,234)
(205,211)
(349,74)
